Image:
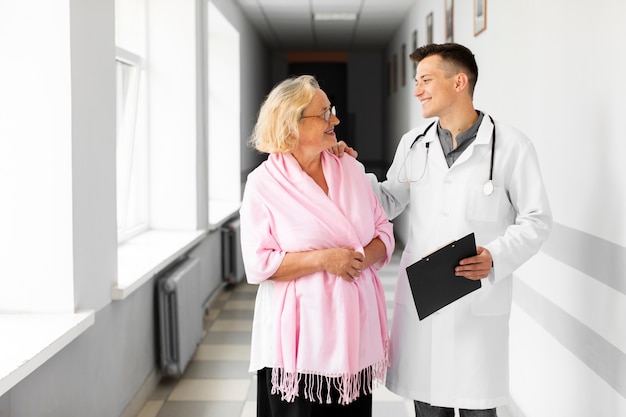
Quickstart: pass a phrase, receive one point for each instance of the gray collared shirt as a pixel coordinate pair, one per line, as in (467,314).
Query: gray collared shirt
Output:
(463,139)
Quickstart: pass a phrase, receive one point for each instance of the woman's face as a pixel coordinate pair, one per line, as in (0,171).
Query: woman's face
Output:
(317,133)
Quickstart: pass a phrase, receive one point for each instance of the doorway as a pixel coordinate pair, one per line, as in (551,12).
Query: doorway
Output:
(332,77)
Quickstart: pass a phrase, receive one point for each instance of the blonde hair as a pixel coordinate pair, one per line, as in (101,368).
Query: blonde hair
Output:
(276,129)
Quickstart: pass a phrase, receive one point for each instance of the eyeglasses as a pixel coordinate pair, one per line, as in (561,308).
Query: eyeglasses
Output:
(326,115)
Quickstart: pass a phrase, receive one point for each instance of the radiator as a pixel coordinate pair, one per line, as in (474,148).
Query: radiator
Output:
(179,315)
(232,260)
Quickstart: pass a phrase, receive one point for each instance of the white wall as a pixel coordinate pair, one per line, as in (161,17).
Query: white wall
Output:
(93,152)
(553,69)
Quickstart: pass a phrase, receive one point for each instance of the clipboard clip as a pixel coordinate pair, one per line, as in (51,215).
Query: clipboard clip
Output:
(427,258)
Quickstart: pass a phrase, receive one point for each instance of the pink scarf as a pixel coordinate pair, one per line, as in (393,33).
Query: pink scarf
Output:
(328,330)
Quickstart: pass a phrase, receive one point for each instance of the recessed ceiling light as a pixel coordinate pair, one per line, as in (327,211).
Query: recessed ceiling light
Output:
(334,16)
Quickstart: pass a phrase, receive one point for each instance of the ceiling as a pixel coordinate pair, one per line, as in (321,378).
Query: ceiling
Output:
(289,25)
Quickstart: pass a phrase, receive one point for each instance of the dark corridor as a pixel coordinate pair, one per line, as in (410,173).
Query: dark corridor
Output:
(332,77)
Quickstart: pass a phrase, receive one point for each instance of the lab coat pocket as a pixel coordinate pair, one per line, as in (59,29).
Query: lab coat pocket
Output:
(487,208)
(493,299)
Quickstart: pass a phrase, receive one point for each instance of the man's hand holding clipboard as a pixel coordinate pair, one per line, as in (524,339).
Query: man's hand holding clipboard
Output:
(434,281)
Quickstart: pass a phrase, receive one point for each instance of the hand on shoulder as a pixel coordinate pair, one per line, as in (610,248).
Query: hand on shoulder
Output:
(340,148)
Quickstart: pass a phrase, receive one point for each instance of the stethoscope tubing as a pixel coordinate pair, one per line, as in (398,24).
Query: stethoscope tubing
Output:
(488,187)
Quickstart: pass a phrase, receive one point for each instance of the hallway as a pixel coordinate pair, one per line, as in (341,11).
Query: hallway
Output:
(125,129)
(217,382)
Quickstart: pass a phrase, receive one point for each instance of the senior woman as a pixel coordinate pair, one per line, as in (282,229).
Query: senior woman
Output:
(313,237)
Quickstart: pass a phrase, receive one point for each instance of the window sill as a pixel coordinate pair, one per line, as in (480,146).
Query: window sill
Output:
(35,338)
(144,256)
(221,212)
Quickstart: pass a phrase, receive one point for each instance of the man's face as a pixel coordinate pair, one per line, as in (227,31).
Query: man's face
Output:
(434,87)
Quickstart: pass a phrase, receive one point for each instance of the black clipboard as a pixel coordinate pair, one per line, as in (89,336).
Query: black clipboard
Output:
(432,278)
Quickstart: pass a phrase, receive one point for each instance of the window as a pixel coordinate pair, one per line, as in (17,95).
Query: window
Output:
(36,241)
(158,136)
(224,132)
(132,138)
(132,147)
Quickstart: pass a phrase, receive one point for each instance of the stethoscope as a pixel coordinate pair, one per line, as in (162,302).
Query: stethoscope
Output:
(487,188)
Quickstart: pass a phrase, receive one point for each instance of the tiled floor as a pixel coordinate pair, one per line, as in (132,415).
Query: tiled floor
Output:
(217,382)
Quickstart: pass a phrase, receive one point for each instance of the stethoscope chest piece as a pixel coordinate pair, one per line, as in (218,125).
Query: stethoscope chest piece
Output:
(488,188)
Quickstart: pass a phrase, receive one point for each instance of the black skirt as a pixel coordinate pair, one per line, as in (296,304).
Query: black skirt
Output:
(270,405)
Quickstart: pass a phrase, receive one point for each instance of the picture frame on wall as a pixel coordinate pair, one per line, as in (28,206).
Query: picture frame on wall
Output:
(403,61)
(480,16)
(414,48)
(394,73)
(429,28)
(388,73)
(449,21)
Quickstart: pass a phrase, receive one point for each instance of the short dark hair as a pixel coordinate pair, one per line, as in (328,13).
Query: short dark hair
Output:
(458,56)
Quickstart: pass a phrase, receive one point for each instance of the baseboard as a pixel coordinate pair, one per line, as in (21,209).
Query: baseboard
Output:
(140,398)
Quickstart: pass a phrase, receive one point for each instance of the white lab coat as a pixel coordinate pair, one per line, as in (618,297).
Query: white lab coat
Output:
(458,357)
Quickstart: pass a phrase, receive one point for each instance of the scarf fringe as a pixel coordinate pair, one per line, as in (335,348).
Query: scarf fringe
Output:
(349,386)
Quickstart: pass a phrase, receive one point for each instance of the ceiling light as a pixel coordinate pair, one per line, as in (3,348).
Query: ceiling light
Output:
(334,16)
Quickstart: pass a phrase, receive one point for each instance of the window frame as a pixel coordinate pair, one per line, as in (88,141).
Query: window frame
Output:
(129,124)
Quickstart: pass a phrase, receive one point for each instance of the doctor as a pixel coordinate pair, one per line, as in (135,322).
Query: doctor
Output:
(462,173)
